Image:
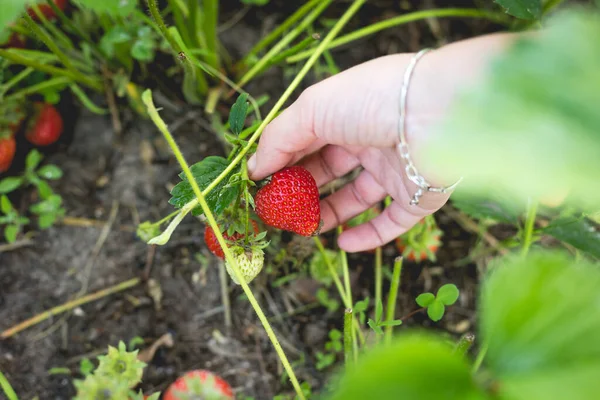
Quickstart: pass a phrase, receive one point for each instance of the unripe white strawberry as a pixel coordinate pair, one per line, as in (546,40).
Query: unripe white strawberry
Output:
(250,263)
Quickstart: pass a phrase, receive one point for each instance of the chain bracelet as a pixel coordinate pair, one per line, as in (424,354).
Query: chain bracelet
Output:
(411,171)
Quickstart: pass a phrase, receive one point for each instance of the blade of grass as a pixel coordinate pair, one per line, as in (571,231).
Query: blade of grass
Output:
(7,388)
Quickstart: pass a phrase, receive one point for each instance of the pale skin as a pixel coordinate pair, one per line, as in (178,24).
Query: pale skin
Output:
(350,120)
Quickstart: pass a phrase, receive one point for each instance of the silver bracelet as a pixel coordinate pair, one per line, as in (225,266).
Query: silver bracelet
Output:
(411,171)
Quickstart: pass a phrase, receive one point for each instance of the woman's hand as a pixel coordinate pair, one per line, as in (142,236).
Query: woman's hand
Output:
(351,120)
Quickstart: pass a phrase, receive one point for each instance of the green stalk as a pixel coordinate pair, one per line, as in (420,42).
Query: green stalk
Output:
(282,44)
(403,19)
(267,40)
(392,296)
(336,279)
(480,356)
(180,21)
(18,59)
(529,225)
(210,20)
(193,23)
(66,42)
(7,388)
(49,42)
(349,352)
(69,24)
(464,344)
(290,52)
(345,269)
(39,87)
(378,276)
(15,79)
(160,124)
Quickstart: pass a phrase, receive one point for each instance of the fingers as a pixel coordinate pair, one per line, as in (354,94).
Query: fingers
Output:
(287,138)
(393,222)
(330,163)
(351,200)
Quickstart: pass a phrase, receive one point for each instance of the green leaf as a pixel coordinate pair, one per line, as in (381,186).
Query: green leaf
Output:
(318,266)
(396,322)
(524,9)
(413,367)
(375,326)
(143,50)
(45,221)
(50,171)
(44,189)
(111,7)
(10,233)
(237,116)
(9,184)
(33,159)
(361,306)
(579,232)
(10,11)
(448,294)
(256,2)
(425,299)
(436,310)
(205,172)
(5,205)
(494,206)
(86,367)
(531,127)
(539,316)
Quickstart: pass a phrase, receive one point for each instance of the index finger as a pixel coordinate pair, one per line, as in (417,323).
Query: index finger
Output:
(288,138)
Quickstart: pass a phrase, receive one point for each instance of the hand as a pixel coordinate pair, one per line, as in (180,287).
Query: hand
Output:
(351,120)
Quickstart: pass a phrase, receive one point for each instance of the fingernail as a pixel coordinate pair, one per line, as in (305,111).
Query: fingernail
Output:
(252,164)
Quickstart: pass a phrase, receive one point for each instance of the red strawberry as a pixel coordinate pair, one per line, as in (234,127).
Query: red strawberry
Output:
(290,201)
(47,11)
(47,125)
(199,384)
(8,147)
(213,245)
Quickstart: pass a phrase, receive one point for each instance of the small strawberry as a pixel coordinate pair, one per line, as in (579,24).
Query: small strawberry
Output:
(290,201)
(199,384)
(46,125)
(250,263)
(8,146)
(213,245)
(421,242)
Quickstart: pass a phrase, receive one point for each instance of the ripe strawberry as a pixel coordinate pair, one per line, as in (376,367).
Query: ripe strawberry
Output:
(46,126)
(290,201)
(250,263)
(8,147)
(199,384)
(213,245)
(421,242)
(47,11)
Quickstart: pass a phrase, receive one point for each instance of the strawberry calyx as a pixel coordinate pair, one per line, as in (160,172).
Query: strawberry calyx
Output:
(421,242)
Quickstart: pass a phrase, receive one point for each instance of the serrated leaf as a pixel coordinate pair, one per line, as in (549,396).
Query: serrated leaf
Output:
(237,115)
(50,171)
(540,317)
(447,294)
(5,204)
(205,172)
(425,299)
(33,159)
(10,233)
(9,184)
(413,367)
(579,232)
(531,126)
(524,9)
(436,310)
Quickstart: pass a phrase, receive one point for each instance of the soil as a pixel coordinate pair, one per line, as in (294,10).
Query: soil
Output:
(129,175)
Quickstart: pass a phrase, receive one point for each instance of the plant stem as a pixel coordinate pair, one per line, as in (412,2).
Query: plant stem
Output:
(378,275)
(267,40)
(225,294)
(18,59)
(153,113)
(391,305)
(210,20)
(464,344)
(403,19)
(333,273)
(480,356)
(5,87)
(278,48)
(7,388)
(349,351)
(68,306)
(288,92)
(529,225)
(39,87)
